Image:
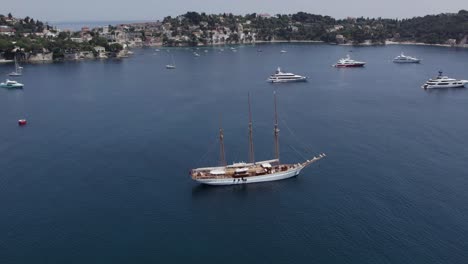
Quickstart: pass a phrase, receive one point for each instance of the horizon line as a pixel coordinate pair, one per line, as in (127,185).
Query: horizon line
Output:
(235,14)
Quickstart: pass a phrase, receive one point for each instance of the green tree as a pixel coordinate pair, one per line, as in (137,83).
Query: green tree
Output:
(6,45)
(115,47)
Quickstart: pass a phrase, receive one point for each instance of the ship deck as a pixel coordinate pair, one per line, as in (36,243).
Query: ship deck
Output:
(245,170)
(252,170)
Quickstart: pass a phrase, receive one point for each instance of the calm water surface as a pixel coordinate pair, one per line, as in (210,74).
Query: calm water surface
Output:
(99,174)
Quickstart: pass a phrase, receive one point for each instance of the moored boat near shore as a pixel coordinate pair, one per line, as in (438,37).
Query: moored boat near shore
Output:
(11,84)
(18,69)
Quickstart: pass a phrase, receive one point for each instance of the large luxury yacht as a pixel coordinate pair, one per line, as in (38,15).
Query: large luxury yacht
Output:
(402,58)
(283,77)
(348,62)
(444,82)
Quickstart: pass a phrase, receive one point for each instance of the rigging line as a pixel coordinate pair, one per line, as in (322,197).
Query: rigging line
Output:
(304,146)
(293,148)
(210,149)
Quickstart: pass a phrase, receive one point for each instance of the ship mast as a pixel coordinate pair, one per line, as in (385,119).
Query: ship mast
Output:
(276,131)
(251,145)
(222,156)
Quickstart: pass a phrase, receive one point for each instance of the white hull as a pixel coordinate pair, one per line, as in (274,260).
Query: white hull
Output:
(253,179)
(407,61)
(454,84)
(11,86)
(302,79)
(443,86)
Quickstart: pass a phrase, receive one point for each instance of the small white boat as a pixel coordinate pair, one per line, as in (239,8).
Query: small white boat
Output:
(196,54)
(402,58)
(5,61)
(285,77)
(444,82)
(11,84)
(283,51)
(157,50)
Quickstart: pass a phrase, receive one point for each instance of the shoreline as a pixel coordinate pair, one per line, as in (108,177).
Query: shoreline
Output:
(388,42)
(253,44)
(424,44)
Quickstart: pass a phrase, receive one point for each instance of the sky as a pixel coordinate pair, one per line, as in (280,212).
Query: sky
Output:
(147,10)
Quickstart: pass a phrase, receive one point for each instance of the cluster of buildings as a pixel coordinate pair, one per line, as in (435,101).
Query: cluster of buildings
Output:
(166,34)
(6,30)
(202,35)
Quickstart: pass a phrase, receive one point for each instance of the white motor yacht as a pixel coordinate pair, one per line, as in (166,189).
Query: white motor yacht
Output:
(5,61)
(11,84)
(348,63)
(283,77)
(444,82)
(402,58)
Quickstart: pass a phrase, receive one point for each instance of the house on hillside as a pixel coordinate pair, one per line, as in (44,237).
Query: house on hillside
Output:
(101,52)
(7,31)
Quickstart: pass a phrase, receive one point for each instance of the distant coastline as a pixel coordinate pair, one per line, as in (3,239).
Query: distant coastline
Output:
(78,25)
(31,40)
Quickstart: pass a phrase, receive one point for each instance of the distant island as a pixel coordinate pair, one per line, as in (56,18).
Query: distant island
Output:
(32,40)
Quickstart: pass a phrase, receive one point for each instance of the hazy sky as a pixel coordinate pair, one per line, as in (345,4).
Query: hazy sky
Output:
(104,10)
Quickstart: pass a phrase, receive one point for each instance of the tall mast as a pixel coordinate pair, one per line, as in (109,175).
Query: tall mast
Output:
(251,145)
(222,156)
(276,131)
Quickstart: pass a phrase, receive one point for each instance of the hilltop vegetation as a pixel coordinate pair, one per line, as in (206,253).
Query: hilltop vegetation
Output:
(431,29)
(27,35)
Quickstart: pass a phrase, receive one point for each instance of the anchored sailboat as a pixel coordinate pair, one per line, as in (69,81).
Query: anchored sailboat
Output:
(18,69)
(171,66)
(254,171)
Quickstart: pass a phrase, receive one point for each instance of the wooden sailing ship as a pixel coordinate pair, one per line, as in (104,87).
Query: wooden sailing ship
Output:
(253,171)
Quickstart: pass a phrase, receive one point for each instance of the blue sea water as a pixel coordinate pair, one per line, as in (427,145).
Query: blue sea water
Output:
(100,172)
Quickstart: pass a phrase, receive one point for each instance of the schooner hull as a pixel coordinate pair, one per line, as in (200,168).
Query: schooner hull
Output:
(252,179)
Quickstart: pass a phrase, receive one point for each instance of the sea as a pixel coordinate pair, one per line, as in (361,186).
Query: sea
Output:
(100,172)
